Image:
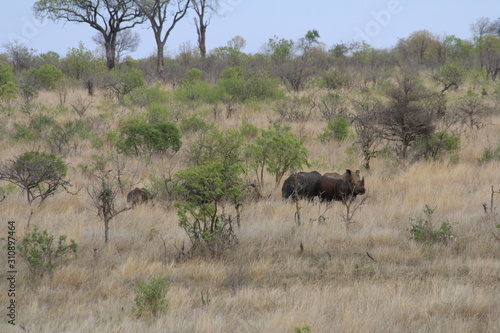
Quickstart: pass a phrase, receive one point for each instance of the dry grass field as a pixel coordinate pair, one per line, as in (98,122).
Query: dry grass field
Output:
(370,278)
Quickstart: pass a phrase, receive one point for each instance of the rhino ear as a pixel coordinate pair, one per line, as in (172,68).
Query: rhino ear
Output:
(363,181)
(348,171)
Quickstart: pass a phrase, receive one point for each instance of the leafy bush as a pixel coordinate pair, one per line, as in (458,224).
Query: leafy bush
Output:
(276,150)
(333,79)
(8,85)
(144,96)
(142,138)
(213,180)
(47,76)
(37,173)
(194,89)
(39,126)
(193,124)
(42,254)
(242,85)
(436,145)
(337,128)
(150,297)
(423,230)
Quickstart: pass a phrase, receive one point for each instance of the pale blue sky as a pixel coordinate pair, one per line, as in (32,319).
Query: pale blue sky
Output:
(379,22)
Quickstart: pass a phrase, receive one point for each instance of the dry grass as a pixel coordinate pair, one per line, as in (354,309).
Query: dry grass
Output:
(267,283)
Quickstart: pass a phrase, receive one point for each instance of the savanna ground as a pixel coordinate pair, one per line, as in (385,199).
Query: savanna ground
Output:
(370,278)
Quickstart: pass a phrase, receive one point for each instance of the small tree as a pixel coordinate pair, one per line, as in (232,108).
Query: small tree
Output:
(103,191)
(213,180)
(450,75)
(276,150)
(406,116)
(36,173)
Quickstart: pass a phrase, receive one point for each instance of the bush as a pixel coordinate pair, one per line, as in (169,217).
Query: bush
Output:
(490,155)
(276,150)
(423,230)
(8,85)
(193,124)
(47,76)
(150,297)
(243,85)
(38,174)
(42,254)
(337,128)
(436,145)
(193,89)
(142,138)
(144,96)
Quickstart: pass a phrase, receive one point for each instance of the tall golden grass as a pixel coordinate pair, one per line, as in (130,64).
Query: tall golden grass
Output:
(370,278)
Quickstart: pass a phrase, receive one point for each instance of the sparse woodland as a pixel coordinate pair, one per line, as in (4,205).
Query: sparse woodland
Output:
(212,140)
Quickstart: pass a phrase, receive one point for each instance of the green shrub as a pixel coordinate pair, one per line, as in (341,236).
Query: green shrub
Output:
(42,254)
(37,173)
(194,90)
(144,96)
(436,145)
(39,126)
(423,230)
(304,329)
(193,124)
(333,79)
(8,85)
(150,297)
(276,150)
(47,76)
(337,128)
(490,155)
(143,138)
(242,85)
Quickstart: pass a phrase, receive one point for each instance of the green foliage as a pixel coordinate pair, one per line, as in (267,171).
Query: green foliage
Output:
(43,254)
(194,90)
(304,329)
(337,128)
(145,96)
(276,150)
(39,126)
(143,138)
(205,188)
(79,62)
(8,84)
(490,155)
(423,231)
(242,85)
(436,145)
(123,83)
(279,49)
(333,79)
(150,297)
(450,75)
(214,179)
(47,76)
(193,124)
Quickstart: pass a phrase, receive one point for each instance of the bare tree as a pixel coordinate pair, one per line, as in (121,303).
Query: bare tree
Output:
(406,116)
(157,12)
(204,10)
(108,17)
(126,42)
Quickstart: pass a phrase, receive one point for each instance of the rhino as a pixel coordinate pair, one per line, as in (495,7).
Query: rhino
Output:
(300,185)
(137,196)
(333,186)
